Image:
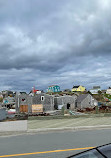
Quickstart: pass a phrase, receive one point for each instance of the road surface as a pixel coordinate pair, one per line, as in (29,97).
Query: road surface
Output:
(44,145)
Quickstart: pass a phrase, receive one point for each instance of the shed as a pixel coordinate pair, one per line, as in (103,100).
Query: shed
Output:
(85,100)
(67,101)
(28,104)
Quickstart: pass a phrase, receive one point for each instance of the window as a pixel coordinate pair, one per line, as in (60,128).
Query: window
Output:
(23,99)
(89,154)
(42,98)
(106,150)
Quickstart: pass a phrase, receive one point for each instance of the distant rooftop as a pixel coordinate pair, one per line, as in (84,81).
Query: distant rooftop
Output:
(53,85)
(96,87)
(76,86)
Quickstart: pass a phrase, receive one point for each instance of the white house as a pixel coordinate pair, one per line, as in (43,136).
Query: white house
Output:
(95,89)
(108,91)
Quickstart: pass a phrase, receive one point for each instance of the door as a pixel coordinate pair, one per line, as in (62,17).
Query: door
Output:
(68,106)
(23,108)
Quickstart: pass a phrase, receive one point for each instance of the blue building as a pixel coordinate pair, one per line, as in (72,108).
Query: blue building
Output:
(54,88)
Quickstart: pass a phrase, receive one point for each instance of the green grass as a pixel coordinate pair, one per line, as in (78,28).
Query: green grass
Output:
(59,123)
(108,96)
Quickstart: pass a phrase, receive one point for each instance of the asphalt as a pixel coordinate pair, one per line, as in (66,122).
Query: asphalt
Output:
(31,143)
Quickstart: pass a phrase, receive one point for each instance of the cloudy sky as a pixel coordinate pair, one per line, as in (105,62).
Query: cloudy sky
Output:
(64,42)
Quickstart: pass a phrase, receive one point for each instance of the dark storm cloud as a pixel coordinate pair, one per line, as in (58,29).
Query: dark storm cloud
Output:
(55,41)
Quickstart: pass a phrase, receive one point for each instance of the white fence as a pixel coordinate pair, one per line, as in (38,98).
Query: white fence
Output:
(13,126)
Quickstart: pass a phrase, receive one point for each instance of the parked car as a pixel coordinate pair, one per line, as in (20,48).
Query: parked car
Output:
(103,151)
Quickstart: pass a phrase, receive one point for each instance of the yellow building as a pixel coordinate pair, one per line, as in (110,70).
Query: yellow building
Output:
(78,89)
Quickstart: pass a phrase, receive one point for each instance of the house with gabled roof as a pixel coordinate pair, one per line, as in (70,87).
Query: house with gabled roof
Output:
(108,91)
(85,100)
(78,88)
(54,88)
(29,104)
(95,89)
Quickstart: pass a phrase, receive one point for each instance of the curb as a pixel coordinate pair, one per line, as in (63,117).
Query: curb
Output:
(68,128)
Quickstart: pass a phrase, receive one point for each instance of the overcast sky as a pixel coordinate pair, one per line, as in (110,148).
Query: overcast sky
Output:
(63,42)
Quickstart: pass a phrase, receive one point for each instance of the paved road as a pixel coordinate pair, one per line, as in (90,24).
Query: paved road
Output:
(32,143)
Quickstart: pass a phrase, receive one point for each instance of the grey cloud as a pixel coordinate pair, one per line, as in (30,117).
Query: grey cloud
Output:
(54,39)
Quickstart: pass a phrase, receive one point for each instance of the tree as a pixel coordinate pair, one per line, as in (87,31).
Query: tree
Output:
(1,99)
(99,92)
